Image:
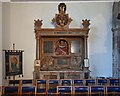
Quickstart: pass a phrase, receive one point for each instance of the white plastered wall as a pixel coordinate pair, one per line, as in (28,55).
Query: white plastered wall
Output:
(21,31)
(0,43)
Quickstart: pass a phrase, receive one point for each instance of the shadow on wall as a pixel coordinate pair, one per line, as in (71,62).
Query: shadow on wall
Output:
(100,65)
(100,47)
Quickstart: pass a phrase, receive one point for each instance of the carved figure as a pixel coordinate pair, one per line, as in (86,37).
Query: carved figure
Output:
(46,62)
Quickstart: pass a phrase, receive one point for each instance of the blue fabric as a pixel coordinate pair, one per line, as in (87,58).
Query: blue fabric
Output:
(100,89)
(90,81)
(26,81)
(64,89)
(113,88)
(14,81)
(39,90)
(11,89)
(114,81)
(81,89)
(28,89)
(78,82)
(102,80)
(53,82)
(97,89)
(66,82)
(54,90)
(41,81)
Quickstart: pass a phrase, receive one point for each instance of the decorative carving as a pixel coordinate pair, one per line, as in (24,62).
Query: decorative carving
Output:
(55,61)
(38,23)
(37,35)
(86,23)
(46,63)
(37,63)
(62,19)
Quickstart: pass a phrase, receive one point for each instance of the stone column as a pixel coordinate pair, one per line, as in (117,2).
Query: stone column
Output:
(86,62)
(86,52)
(37,25)
(37,47)
(36,74)
(86,24)
(116,39)
(86,47)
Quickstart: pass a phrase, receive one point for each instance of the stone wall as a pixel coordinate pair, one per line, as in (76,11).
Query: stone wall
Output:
(116,39)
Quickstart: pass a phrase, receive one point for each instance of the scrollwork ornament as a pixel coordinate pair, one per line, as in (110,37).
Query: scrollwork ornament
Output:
(62,19)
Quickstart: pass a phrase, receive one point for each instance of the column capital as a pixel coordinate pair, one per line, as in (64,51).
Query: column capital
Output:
(37,35)
(86,36)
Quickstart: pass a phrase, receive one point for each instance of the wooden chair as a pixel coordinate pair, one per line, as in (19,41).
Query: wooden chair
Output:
(64,90)
(11,91)
(78,82)
(97,90)
(1,90)
(112,90)
(27,87)
(13,88)
(66,82)
(41,87)
(102,82)
(80,90)
(52,86)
